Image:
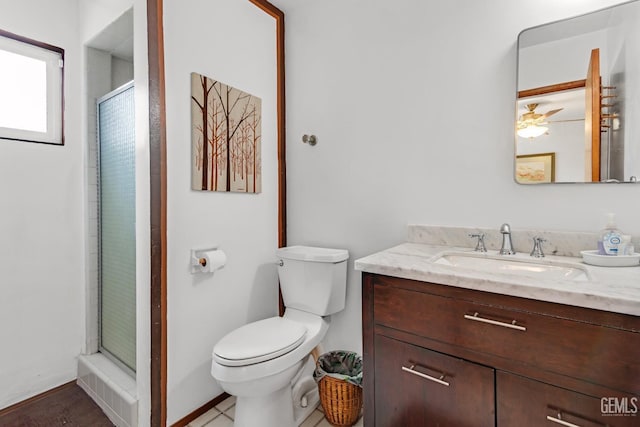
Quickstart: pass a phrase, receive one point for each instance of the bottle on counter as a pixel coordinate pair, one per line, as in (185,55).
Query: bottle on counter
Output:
(626,247)
(610,240)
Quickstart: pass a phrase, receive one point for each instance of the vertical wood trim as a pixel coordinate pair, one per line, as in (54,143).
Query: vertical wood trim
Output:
(158,214)
(281,119)
(593,102)
(282,155)
(368,349)
(281,122)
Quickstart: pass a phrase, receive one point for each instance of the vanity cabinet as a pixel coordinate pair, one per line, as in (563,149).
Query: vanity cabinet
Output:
(421,387)
(506,361)
(528,403)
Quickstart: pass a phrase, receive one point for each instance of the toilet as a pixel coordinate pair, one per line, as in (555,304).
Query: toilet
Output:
(265,364)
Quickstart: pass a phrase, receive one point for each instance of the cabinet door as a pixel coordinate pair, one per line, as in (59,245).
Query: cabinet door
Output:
(416,387)
(524,402)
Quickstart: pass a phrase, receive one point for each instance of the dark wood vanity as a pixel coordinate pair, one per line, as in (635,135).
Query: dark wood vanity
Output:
(437,355)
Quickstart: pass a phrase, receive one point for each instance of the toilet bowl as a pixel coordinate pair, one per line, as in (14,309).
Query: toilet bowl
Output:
(263,387)
(263,362)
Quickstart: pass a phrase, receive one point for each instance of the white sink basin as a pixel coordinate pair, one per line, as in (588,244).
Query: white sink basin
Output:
(513,265)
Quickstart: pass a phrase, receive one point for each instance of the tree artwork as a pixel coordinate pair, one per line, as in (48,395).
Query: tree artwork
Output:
(225,137)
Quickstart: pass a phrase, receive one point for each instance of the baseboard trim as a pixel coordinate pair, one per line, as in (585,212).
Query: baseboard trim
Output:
(35,398)
(201,410)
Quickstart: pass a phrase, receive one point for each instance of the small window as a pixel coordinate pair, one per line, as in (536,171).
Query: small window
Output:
(31,87)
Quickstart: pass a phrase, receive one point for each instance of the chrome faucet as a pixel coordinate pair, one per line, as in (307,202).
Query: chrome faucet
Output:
(480,247)
(507,245)
(537,247)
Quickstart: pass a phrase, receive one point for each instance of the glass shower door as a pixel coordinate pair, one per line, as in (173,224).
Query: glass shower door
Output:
(116,226)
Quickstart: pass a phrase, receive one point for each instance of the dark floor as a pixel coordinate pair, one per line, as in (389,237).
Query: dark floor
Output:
(67,406)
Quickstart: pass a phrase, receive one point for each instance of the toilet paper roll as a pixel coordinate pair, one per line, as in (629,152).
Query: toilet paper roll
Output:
(213,260)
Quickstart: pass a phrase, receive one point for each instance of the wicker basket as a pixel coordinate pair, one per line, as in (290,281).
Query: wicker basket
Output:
(341,401)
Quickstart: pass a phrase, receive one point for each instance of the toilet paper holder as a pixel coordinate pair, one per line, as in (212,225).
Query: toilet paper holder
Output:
(198,259)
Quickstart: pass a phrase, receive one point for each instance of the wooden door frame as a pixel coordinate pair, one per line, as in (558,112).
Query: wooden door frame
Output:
(558,87)
(158,214)
(593,109)
(158,190)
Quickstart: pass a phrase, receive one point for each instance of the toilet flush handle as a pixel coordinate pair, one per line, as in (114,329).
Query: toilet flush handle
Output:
(280,263)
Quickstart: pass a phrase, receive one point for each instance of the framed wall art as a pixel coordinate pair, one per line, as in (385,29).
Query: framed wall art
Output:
(225,137)
(536,168)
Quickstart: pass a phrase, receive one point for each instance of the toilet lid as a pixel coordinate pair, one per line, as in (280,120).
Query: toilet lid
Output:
(259,341)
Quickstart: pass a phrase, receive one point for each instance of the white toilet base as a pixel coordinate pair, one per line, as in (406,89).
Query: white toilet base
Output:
(300,413)
(273,410)
(290,375)
(305,392)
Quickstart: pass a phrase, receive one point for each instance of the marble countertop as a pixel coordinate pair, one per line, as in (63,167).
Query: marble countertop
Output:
(610,289)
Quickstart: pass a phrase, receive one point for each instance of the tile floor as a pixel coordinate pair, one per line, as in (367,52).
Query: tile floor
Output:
(222,416)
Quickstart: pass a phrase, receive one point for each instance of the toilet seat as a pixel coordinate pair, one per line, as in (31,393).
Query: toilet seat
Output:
(259,341)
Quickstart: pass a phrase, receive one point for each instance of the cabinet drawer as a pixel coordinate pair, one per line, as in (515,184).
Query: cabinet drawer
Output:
(527,403)
(599,354)
(420,387)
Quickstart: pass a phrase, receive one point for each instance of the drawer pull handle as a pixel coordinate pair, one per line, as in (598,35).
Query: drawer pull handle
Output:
(425,376)
(561,422)
(477,318)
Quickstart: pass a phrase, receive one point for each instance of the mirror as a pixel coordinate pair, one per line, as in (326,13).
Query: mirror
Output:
(578,100)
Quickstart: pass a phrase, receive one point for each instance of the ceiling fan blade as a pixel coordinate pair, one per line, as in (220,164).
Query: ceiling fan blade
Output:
(565,121)
(549,113)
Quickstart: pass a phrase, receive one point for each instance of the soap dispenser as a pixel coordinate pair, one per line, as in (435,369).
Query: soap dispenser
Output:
(610,238)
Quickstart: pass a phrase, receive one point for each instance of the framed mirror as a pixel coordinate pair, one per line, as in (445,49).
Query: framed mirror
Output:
(578,99)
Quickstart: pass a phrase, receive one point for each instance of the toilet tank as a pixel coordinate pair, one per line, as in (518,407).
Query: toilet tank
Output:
(313,279)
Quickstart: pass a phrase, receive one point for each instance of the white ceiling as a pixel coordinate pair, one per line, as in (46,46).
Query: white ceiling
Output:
(117,38)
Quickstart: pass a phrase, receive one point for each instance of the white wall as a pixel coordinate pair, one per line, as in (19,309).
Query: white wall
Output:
(41,224)
(121,72)
(143,214)
(561,61)
(97,83)
(98,14)
(234,42)
(625,43)
(413,106)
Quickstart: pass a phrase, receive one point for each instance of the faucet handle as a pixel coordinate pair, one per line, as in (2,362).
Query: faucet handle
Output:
(537,247)
(480,247)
